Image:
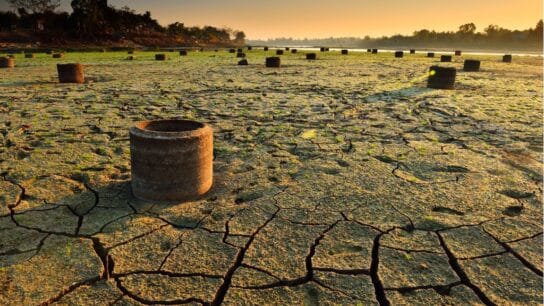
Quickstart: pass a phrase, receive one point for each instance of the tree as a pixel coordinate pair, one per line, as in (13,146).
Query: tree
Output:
(492,30)
(422,34)
(88,16)
(467,29)
(538,29)
(35,6)
(175,28)
(240,37)
(536,33)
(8,20)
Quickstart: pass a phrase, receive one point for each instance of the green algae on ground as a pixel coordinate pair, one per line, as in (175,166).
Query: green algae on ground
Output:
(338,181)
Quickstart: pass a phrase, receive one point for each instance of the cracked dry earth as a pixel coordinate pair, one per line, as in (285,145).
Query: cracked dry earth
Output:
(339,181)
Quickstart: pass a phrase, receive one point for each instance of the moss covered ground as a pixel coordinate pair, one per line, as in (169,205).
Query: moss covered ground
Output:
(337,181)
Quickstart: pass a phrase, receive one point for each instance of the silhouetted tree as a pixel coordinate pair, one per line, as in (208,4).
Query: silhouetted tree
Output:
(492,36)
(88,16)
(467,29)
(492,30)
(8,20)
(176,28)
(537,33)
(240,37)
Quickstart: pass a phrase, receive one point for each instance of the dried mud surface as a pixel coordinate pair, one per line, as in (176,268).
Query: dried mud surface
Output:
(338,181)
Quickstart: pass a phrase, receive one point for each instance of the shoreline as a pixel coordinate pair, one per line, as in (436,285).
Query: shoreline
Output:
(113,48)
(441,51)
(421,50)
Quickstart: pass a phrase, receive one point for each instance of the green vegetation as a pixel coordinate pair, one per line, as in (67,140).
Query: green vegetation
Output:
(324,183)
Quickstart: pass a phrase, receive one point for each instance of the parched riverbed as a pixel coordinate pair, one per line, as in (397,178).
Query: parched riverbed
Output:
(339,181)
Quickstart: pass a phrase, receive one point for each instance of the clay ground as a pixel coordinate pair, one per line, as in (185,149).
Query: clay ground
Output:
(340,181)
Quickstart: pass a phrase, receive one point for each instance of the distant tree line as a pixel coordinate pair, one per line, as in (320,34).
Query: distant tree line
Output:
(95,21)
(492,37)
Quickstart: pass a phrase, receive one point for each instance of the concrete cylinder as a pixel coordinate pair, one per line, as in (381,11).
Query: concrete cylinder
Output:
(471,65)
(273,62)
(7,62)
(311,56)
(445,58)
(171,160)
(441,77)
(71,73)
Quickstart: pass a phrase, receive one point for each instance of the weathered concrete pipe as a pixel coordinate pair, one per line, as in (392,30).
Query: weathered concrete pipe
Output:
(7,62)
(445,58)
(273,62)
(471,65)
(71,73)
(171,160)
(441,77)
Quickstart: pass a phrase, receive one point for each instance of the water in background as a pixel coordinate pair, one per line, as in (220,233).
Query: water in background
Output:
(306,48)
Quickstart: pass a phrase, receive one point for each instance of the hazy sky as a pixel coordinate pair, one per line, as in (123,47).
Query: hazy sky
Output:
(325,18)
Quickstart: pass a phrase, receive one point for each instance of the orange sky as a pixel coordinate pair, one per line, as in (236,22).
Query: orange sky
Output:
(325,18)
